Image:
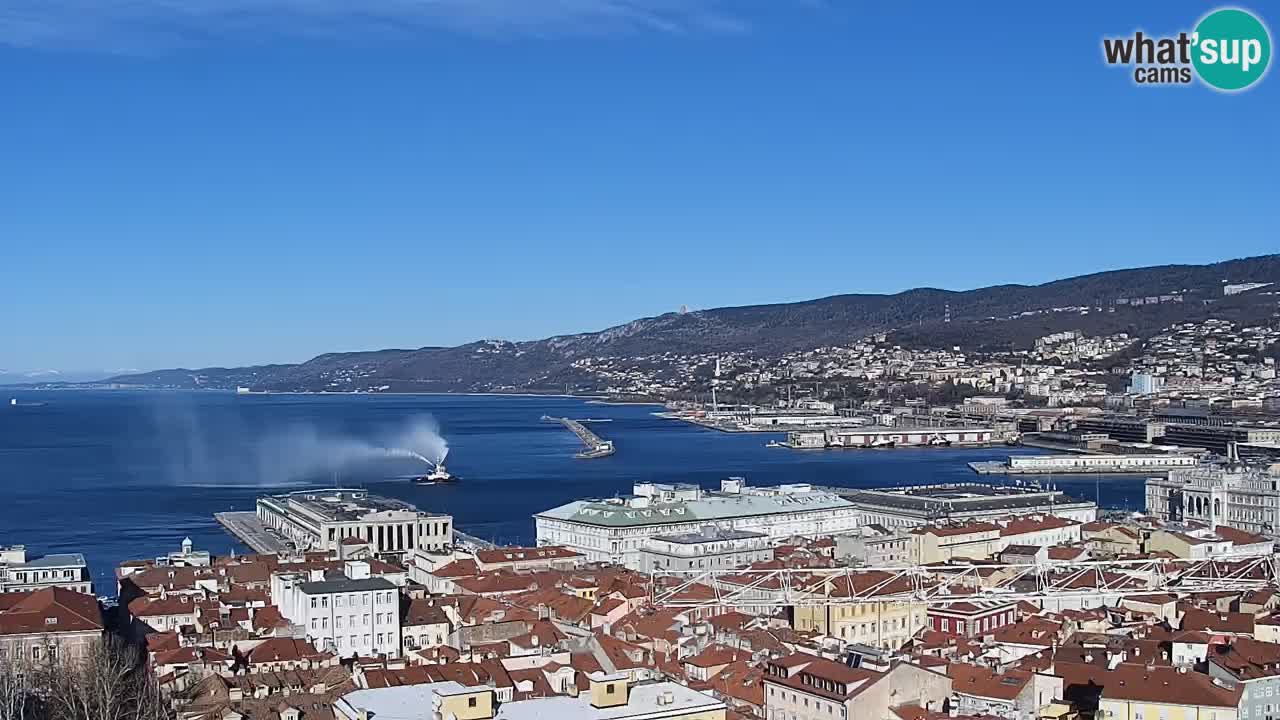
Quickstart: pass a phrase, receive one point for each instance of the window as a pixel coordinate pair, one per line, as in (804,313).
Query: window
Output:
(471,701)
(608,689)
(313,603)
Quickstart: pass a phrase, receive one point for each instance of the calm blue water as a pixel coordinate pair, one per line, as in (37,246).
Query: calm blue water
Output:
(121,475)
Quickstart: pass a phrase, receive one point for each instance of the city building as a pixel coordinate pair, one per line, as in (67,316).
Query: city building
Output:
(1218,438)
(322,519)
(1122,428)
(875,546)
(1255,667)
(711,548)
(959,502)
(18,573)
(616,530)
(1098,463)
(49,624)
(878,437)
(805,687)
(519,559)
(606,697)
(353,614)
(1243,498)
(1145,384)
(1012,695)
(971,619)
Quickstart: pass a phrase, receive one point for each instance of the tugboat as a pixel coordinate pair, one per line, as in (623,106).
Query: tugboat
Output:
(439,476)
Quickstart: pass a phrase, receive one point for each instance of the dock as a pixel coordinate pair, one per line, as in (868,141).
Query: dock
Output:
(248,529)
(596,447)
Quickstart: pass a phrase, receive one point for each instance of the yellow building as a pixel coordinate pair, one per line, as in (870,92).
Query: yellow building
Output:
(889,624)
(1111,539)
(609,696)
(940,543)
(1133,691)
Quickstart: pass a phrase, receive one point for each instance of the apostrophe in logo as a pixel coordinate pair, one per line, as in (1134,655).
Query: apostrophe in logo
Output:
(1229,50)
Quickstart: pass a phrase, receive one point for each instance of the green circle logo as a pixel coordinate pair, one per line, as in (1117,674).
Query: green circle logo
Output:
(1231,49)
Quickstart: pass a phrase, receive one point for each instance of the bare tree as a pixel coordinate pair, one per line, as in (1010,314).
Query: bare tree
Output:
(18,700)
(111,681)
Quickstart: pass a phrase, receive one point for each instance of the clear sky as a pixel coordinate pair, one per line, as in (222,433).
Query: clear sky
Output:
(205,182)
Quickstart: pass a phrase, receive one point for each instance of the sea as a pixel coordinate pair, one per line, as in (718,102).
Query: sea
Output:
(120,475)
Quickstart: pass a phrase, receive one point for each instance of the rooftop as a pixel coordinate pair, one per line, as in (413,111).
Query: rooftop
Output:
(324,587)
(339,505)
(699,508)
(957,497)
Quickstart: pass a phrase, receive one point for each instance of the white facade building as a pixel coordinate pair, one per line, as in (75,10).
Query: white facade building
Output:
(1241,498)
(18,573)
(711,548)
(1098,463)
(354,614)
(617,530)
(322,519)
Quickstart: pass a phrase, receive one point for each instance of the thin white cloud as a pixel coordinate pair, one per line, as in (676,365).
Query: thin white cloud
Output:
(147,24)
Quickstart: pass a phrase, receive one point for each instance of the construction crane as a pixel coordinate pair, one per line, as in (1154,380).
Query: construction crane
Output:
(947,583)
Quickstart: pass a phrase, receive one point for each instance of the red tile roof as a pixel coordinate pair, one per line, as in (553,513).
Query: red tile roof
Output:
(47,611)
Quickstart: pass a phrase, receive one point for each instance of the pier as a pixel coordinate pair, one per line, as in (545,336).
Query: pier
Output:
(248,529)
(596,447)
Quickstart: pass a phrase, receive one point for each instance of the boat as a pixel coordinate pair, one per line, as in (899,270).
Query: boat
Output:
(881,443)
(939,441)
(438,476)
(775,443)
(13,402)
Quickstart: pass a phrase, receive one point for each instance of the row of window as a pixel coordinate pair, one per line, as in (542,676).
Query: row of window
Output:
(379,598)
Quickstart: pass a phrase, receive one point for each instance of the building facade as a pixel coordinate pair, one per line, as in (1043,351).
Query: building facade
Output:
(1242,498)
(962,502)
(711,548)
(351,615)
(322,519)
(51,624)
(18,573)
(617,530)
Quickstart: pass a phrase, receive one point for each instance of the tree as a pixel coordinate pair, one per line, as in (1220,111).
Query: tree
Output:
(111,681)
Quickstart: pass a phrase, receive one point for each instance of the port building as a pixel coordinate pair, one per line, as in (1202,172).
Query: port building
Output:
(1097,463)
(886,437)
(618,530)
(323,519)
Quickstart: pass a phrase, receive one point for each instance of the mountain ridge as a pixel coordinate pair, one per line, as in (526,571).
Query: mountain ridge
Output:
(1136,300)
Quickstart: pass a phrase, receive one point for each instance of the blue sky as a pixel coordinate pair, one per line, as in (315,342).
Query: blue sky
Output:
(191,182)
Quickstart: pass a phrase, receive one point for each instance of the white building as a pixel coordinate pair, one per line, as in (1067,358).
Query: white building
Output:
(322,519)
(1242,498)
(18,573)
(712,548)
(353,614)
(617,530)
(961,502)
(1098,463)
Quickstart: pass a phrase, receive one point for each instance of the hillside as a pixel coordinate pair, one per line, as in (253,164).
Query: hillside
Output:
(999,317)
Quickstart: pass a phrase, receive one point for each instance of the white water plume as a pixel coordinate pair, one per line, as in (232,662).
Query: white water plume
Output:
(200,450)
